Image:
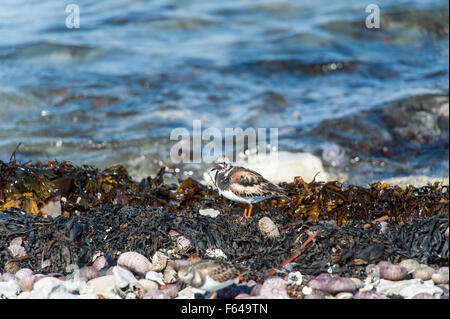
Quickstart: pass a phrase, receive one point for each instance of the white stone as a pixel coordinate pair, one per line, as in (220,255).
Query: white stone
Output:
(123,277)
(148,284)
(209,212)
(411,291)
(74,285)
(46,286)
(63,295)
(393,288)
(104,286)
(155,276)
(9,289)
(189,293)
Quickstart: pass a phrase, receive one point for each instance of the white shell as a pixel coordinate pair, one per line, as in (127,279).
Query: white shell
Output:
(27,283)
(22,273)
(123,277)
(155,276)
(268,228)
(135,262)
(15,248)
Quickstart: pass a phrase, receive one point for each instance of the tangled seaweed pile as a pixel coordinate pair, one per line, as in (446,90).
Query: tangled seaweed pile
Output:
(106,211)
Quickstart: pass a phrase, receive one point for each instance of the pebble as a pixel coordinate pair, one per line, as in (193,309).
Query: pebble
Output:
(155,276)
(339,284)
(189,293)
(411,265)
(134,262)
(315,294)
(344,295)
(368,295)
(424,272)
(148,284)
(441,276)
(391,272)
(8,289)
(410,291)
(104,286)
(123,277)
(209,212)
(274,288)
(159,261)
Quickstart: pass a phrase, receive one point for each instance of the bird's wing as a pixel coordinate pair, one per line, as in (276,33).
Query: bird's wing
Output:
(249,183)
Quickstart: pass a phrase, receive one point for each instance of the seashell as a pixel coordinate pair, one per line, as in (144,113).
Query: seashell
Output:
(22,273)
(368,295)
(446,233)
(87,273)
(274,288)
(423,295)
(424,272)
(159,262)
(268,228)
(173,234)
(215,253)
(138,290)
(295,278)
(307,290)
(320,282)
(134,262)
(338,284)
(441,276)
(15,248)
(411,265)
(392,272)
(155,276)
(170,275)
(26,283)
(148,284)
(209,212)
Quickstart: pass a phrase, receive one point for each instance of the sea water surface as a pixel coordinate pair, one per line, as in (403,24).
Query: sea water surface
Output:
(113,90)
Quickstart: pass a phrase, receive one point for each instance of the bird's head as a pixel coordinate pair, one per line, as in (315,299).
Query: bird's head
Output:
(222,164)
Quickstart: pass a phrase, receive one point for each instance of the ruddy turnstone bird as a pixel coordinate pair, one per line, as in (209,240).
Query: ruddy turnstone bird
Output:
(243,185)
(211,275)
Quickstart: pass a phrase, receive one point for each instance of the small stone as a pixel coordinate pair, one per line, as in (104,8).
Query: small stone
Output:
(104,286)
(424,272)
(74,285)
(344,295)
(15,248)
(209,212)
(155,276)
(123,277)
(338,284)
(392,272)
(9,289)
(358,282)
(315,294)
(159,261)
(148,284)
(440,277)
(189,293)
(295,278)
(411,265)
(12,266)
(423,295)
(48,285)
(413,290)
(256,290)
(368,295)
(170,275)
(274,288)
(52,208)
(135,262)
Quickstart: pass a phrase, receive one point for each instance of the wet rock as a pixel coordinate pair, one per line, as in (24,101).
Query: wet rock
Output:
(274,288)
(134,262)
(424,272)
(391,272)
(440,277)
(268,228)
(411,265)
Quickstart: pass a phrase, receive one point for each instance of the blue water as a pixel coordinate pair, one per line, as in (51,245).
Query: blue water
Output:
(113,90)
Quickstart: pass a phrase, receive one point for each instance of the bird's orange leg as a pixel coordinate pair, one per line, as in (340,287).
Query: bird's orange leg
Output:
(250,211)
(245,213)
(214,295)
